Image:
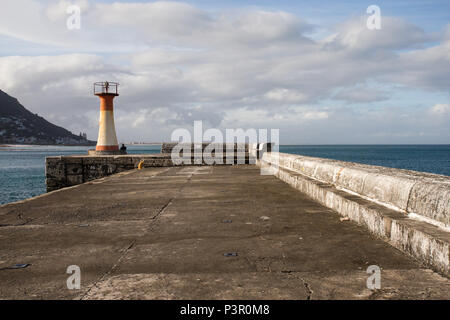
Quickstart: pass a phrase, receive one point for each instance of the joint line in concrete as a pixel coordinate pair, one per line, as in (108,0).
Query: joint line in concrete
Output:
(109,271)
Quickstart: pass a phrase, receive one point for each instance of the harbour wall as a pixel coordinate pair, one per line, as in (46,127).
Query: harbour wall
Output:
(408,209)
(66,171)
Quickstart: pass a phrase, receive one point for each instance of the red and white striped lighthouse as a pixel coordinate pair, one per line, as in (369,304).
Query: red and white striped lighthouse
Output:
(107,139)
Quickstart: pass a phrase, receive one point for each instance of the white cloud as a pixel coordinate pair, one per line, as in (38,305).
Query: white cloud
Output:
(285,95)
(361,94)
(395,34)
(316,115)
(440,109)
(178,63)
(56,75)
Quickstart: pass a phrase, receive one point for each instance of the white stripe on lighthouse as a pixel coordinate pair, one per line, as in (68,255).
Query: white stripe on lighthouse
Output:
(107,139)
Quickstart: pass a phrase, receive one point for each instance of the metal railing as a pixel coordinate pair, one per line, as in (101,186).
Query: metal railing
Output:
(106,87)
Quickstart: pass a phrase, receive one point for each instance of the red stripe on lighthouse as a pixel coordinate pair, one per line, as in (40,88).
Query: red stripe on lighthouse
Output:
(107,148)
(106,103)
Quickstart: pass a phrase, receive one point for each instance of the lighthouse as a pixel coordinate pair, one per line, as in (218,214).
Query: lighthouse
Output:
(107,139)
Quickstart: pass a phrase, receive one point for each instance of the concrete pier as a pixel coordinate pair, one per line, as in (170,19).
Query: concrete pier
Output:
(408,209)
(198,232)
(66,171)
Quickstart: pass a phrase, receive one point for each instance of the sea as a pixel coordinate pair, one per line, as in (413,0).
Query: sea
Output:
(22,168)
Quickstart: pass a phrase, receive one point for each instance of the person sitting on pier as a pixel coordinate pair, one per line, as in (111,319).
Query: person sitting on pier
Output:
(123,148)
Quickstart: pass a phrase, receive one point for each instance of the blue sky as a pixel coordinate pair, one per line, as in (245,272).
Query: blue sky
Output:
(309,68)
(431,15)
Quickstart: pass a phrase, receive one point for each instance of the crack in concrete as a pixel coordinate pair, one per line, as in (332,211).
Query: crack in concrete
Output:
(382,293)
(109,271)
(154,218)
(163,209)
(15,225)
(307,286)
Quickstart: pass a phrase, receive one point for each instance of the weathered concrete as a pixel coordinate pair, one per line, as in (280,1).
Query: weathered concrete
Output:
(66,171)
(378,198)
(421,193)
(159,233)
(93,152)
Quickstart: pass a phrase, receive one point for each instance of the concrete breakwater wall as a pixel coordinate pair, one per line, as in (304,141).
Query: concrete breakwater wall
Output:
(420,193)
(66,171)
(409,209)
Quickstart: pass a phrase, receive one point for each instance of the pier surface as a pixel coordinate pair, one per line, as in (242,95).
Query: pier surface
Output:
(207,232)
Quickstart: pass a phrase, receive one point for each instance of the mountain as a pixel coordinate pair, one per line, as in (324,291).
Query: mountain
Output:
(20,126)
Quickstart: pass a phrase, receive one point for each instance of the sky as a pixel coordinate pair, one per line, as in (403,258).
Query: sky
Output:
(312,69)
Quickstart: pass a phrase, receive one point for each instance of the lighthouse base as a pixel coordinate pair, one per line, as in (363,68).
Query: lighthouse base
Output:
(94,152)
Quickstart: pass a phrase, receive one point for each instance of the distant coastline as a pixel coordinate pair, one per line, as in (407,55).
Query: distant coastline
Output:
(47,145)
(18,145)
(72,145)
